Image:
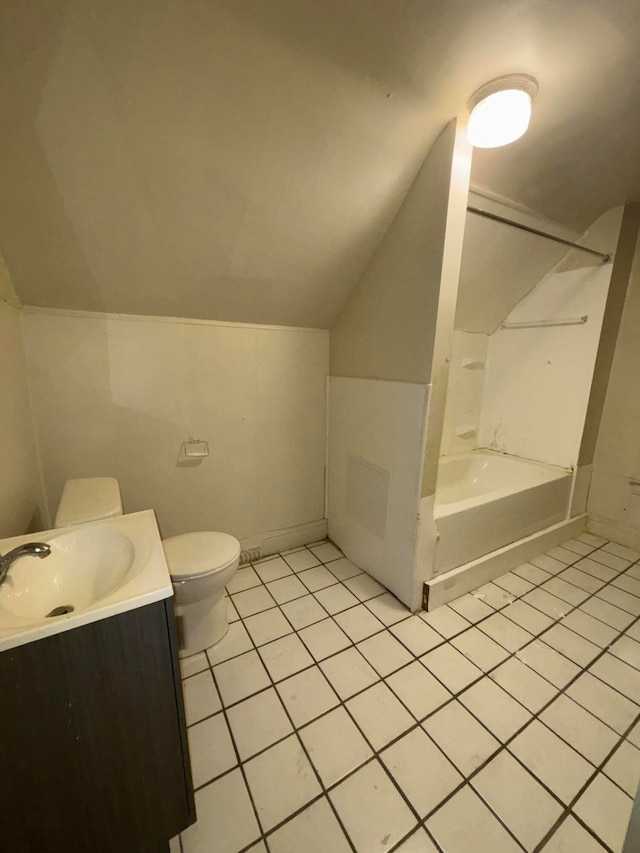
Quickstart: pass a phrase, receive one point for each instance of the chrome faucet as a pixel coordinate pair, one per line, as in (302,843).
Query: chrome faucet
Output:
(29,549)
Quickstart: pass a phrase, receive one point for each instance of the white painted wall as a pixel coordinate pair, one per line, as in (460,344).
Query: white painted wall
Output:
(117,396)
(20,486)
(538,380)
(613,504)
(376,432)
(464,393)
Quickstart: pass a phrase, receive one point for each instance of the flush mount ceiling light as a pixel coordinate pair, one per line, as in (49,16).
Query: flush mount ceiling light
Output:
(501,110)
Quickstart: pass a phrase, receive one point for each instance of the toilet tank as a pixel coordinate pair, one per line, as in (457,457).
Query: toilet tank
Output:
(88,499)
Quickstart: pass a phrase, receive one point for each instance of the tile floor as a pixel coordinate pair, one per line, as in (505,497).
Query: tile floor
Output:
(331,719)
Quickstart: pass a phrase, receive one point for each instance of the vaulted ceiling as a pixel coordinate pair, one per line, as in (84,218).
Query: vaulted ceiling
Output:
(241,159)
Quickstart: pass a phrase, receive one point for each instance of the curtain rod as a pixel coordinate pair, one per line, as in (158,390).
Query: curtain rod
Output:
(494,216)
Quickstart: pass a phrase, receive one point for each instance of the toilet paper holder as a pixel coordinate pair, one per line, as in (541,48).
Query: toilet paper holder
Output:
(195,448)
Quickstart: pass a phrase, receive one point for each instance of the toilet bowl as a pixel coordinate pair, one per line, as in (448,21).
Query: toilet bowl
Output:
(200,564)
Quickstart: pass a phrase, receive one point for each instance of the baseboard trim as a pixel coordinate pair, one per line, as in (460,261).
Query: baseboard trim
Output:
(456,582)
(274,541)
(627,536)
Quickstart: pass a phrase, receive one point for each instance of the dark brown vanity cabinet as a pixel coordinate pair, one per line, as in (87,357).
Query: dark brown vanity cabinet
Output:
(93,746)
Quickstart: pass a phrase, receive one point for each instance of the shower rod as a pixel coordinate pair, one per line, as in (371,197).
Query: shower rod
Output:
(495,218)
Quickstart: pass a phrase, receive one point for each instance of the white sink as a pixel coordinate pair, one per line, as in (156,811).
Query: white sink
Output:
(94,570)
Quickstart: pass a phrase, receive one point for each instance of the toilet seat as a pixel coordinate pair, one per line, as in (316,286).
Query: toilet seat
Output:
(195,555)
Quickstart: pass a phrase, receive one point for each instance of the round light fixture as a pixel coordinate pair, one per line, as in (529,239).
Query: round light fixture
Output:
(501,110)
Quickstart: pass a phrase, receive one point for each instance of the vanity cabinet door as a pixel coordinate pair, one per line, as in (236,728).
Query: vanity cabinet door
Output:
(93,750)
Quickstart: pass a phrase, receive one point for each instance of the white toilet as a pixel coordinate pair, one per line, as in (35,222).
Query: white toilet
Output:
(200,564)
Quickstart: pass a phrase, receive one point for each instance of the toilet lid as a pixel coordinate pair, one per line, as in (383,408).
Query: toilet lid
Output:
(200,553)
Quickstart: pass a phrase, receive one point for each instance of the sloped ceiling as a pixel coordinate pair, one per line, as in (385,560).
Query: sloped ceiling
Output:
(240,160)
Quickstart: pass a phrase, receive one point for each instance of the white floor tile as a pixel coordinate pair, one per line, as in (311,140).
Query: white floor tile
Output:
(348,672)
(480,649)
(258,722)
(461,737)
(545,602)
(335,745)
(281,781)
(465,824)
(253,601)
(380,715)
(235,642)
(301,560)
(471,608)
(613,561)
(604,702)
(326,552)
(419,842)
(388,609)
(562,554)
(513,583)
(244,578)
(193,664)
(358,623)
(591,629)
(418,689)
(501,714)
(260,847)
(200,697)
(384,653)
(445,621)
(307,695)
(578,547)
(493,595)
(336,598)
(548,663)
(628,584)
(627,650)
(619,675)
(451,667)
(531,573)
(317,578)
(505,632)
(425,776)
(583,580)
(549,563)
(364,587)
(624,768)
(525,685)
(608,613)
(551,761)
(373,812)
(303,611)
(584,732)
(344,569)
(418,637)
(606,809)
(285,656)
(272,570)
(566,591)
(314,830)
(518,800)
(240,677)
(621,599)
(211,749)
(590,539)
(524,616)
(596,569)
(267,626)
(571,645)
(572,838)
(224,813)
(232,613)
(324,638)
(622,551)
(286,589)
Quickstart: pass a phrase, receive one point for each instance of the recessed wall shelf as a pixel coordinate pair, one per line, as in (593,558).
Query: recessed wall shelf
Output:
(542,324)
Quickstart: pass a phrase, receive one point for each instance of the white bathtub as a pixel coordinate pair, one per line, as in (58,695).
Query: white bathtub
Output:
(486,500)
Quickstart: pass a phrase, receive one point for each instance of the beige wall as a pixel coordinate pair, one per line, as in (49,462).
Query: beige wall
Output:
(118,395)
(20,490)
(614,503)
(386,329)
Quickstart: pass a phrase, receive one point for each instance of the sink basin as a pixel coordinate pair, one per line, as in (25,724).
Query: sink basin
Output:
(83,567)
(94,570)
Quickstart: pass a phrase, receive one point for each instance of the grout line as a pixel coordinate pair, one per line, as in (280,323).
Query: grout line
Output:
(453,697)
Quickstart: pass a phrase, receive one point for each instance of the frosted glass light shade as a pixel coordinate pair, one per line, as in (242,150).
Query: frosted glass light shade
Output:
(499,118)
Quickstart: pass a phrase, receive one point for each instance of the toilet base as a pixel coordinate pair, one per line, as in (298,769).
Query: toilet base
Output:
(201,624)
